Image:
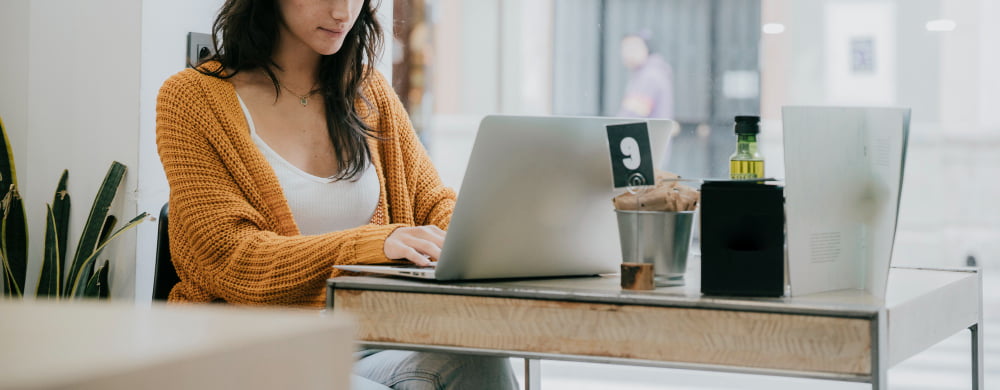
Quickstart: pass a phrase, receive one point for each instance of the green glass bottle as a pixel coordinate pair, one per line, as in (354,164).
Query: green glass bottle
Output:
(746,163)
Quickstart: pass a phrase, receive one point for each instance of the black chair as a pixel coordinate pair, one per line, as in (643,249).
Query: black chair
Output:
(165,276)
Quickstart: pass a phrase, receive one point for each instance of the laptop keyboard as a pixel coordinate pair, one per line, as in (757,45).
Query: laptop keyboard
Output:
(414,267)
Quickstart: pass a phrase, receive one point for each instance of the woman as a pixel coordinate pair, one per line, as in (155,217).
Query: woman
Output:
(285,155)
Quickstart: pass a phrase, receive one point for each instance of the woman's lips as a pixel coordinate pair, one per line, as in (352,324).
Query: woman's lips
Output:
(332,32)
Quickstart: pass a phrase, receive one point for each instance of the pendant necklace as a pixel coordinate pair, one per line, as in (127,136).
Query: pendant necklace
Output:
(303,99)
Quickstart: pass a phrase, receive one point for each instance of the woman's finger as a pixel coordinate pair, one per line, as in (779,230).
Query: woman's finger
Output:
(417,258)
(433,234)
(426,241)
(425,247)
(438,232)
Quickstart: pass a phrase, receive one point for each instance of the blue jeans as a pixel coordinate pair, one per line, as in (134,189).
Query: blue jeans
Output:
(408,370)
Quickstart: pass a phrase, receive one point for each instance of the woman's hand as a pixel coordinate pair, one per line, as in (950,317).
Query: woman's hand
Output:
(417,244)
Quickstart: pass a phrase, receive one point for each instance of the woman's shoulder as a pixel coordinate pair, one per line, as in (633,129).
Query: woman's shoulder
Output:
(378,91)
(375,82)
(379,99)
(192,79)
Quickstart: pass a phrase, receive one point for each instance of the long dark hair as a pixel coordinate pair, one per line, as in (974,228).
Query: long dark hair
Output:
(249,30)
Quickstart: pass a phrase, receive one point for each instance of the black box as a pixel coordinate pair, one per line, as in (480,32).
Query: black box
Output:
(742,239)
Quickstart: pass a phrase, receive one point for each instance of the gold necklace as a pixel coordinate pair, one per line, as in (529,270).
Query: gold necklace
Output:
(303,99)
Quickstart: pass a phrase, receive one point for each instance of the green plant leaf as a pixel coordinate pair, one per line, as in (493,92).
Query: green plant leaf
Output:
(88,243)
(79,282)
(104,286)
(8,174)
(8,180)
(9,287)
(98,283)
(60,210)
(50,277)
(14,243)
(109,226)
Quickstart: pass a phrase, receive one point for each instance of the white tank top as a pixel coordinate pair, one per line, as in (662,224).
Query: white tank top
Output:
(321,204)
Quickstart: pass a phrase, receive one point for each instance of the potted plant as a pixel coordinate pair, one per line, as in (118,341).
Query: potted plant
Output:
(79,279)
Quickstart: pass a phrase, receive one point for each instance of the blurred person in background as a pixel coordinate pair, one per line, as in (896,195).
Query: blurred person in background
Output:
(649,92)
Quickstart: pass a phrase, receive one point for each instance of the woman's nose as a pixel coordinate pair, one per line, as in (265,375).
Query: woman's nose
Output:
(340,10)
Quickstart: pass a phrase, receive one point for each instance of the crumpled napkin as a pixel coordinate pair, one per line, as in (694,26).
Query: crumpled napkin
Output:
(666,195)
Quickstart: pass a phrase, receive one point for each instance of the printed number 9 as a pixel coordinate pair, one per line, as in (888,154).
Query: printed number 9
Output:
(630,148)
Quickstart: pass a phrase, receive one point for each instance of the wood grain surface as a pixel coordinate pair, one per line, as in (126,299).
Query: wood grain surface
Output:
(684,335)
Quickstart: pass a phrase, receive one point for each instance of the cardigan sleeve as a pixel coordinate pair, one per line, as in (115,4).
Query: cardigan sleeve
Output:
(433,203)
(220,241)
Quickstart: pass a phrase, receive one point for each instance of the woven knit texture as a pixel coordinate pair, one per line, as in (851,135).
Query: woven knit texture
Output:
(232,235)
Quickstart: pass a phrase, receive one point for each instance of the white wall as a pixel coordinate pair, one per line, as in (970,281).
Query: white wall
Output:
(989,62)
(82,113)
(490,57)
(525,53)
(13,77)
(960,51)
(493,56)
(479,57)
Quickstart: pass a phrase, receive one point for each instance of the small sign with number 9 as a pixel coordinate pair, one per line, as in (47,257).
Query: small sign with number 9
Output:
(631,162)
(630,149)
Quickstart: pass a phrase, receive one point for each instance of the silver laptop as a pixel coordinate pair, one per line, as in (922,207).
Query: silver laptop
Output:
(535,202)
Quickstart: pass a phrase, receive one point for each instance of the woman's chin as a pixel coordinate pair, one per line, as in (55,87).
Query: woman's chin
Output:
(328,48)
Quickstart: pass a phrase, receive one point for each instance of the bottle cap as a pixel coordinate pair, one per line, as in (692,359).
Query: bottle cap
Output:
(747,124)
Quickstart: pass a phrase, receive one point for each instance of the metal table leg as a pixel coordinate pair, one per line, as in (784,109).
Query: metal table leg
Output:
(977,357)
(977,341)
(532,374)
(880,351)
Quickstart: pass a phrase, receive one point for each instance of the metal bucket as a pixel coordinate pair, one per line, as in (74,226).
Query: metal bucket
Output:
(660,238)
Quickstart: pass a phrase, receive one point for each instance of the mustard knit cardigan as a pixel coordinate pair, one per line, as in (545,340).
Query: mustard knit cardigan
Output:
(232,236)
